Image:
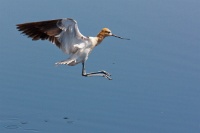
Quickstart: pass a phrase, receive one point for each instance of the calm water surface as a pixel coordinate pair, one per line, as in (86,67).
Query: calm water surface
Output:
(156,75)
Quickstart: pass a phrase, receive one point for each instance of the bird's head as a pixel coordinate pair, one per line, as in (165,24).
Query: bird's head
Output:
(106,32)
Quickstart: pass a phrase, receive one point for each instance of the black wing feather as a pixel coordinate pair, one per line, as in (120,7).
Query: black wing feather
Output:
(43,30)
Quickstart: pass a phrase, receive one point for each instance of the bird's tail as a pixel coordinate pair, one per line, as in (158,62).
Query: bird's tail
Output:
(70,62)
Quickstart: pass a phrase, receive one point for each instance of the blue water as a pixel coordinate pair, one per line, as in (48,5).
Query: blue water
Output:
(156,75)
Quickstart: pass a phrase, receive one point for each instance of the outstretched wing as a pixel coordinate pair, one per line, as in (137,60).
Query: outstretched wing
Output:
(62,32)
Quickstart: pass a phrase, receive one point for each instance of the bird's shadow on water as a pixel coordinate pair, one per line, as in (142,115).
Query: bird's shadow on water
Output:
(29,125)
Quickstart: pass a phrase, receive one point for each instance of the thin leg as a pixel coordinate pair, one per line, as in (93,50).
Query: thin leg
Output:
(99,73)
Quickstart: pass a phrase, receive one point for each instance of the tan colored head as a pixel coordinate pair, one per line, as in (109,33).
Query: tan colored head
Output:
(106,32)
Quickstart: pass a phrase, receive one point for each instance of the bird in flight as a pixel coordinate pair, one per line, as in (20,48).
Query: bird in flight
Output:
(64,33)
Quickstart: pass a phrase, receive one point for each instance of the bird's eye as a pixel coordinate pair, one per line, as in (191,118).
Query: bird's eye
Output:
(108,32)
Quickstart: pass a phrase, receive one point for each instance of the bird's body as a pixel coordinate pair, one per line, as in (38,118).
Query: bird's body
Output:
(82,52)
(64,33)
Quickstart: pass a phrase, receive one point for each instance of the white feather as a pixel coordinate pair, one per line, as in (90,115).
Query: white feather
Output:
(74,43)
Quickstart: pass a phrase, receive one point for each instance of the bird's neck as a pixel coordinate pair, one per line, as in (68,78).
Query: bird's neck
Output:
(100,37)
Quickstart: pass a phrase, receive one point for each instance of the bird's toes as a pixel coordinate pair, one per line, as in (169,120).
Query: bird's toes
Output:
(108,77)
(106,73)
